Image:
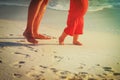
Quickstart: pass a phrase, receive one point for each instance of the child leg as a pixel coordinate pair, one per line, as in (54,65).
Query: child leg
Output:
(62,38)
(75,40)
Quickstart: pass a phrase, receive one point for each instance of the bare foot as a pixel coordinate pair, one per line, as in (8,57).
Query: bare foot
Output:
(61,38)
(39,36)
(30,38)
(61,41)
(77,43)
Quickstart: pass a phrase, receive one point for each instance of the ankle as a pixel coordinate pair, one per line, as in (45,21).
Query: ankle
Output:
(61,40)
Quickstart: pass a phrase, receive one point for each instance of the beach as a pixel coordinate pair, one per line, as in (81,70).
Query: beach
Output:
(97,59)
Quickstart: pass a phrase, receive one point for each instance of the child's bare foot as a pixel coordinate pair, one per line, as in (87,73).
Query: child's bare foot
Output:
(39,36)
(30,38)
(61,38)
(77,43)
(61,41)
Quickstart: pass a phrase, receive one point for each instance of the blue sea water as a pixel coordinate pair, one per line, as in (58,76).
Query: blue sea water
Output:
(94,5)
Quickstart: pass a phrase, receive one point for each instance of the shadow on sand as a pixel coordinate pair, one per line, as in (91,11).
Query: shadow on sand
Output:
(14,44)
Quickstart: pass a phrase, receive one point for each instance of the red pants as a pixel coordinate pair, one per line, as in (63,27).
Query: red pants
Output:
(75,21)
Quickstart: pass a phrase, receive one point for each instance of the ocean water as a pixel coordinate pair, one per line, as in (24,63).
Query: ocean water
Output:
(94,5)
(111,18)
(15,2)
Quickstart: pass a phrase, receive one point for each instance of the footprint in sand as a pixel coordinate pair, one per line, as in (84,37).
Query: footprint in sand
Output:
(11,34)
(54,70)
(58,58)
(97,64)
(44,67)
(1,62)
(67,75)
(116,74)
(35,74)
(19,53)
(101,76)
(118,63)
(17,75)
(31,48)
(64,75)
(41,71)
(109,69)
(19,64)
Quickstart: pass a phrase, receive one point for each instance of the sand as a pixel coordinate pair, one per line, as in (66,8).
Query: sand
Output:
(97,59)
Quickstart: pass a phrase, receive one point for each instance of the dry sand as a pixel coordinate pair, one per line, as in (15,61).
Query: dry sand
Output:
(97,59)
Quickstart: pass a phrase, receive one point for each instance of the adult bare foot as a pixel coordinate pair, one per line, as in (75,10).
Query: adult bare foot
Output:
(77,43)
(40,36)
(30,38)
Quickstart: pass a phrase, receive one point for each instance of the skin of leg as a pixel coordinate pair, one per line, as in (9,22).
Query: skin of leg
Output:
(62,38)
(32,11)
(75,40)
(38,19)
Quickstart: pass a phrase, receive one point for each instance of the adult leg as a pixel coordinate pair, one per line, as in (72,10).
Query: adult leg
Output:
(32,11)
(38,19)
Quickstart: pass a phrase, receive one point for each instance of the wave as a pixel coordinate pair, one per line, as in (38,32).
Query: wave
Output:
(14,4)
(98,8)
(94,5)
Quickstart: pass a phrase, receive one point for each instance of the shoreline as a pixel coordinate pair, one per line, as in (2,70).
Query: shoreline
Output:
(97,59)
(107,17)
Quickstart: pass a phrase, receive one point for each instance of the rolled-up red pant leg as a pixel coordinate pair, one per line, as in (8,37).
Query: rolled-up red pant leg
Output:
(79,26)
(74,26)
(71,26)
